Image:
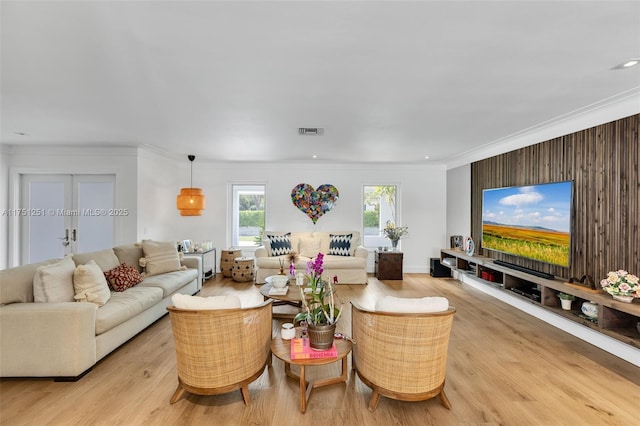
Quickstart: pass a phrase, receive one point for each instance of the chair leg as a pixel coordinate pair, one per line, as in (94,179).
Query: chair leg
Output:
(177,394)
(245,394)
(444,400)
(373,402)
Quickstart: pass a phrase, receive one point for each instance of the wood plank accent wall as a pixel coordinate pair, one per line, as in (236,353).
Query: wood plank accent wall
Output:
(603,162)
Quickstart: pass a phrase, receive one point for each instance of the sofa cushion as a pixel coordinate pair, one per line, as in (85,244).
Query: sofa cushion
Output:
(122,277)
(412,305)
(54,283)
(125,305)
(90,284)
(130,254)
(16,284)
(185,301)
(160,257)
(170,281)
(105,259)
(340,245)
(309,247)
(280,244)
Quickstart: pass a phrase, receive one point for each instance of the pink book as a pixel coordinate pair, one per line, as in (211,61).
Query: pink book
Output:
(300,349)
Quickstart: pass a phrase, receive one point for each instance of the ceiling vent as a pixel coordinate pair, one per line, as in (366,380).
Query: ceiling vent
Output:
(310,131)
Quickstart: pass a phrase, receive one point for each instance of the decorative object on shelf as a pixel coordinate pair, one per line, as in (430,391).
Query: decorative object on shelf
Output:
(469,246)
(319,310)
(622,285)
(590,309)
(565,300)
(314,202)
(394,233)
(190,201)
(586,281)
(457,241)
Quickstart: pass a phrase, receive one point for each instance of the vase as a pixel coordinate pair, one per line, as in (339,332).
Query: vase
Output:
(321,336)
(566,304)
(394,245)
(590,309)
(625,299)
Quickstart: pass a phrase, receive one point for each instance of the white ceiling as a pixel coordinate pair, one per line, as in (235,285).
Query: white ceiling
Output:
(232,81)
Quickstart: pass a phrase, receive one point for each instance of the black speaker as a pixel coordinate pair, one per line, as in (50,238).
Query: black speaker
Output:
(437,270)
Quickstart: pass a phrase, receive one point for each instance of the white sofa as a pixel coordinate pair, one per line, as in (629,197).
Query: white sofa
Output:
(65,339)
(349,264)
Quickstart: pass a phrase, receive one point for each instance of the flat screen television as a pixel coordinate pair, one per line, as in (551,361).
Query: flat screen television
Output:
(532,222)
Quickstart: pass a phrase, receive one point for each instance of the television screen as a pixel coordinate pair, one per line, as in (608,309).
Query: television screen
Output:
(532,221)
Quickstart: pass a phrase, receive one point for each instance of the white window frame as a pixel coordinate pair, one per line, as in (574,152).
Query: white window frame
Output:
(375,241)
(234,192)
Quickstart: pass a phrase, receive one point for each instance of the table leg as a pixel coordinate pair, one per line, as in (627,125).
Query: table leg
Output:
(303,391)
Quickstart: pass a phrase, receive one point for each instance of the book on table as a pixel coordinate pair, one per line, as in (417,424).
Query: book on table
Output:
(273,291)
(300,349)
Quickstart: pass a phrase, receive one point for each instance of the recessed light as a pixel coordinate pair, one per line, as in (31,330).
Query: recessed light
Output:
(426,157)
(630,63)
(314,156)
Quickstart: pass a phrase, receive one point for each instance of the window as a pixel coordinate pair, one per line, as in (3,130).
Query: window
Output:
(248,215)
(379,206)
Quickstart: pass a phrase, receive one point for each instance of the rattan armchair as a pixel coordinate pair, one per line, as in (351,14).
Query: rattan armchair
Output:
(218,351)
(401,355)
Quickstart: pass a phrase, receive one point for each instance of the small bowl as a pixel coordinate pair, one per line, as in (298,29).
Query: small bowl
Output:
(279,281)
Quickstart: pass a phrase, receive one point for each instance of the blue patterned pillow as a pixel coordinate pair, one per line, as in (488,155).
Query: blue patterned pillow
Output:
(280,244)
(340,245)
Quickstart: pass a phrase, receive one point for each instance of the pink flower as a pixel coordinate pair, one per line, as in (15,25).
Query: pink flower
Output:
(604,283)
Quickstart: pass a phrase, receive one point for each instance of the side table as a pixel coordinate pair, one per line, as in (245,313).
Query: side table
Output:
(282,350)
(388,265)
(201,254)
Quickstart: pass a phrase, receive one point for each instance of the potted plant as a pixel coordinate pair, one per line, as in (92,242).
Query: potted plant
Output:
(319,310)
(394,233)
(565,300)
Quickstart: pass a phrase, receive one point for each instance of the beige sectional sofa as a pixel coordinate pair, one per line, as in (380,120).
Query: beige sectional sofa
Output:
(344,257)
(64,339)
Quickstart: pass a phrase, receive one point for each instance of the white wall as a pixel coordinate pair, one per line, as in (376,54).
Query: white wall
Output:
(120,161)
(459,201)
(422,204)
(4,205)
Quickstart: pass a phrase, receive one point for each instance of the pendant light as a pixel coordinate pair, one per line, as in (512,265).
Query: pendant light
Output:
(190,201)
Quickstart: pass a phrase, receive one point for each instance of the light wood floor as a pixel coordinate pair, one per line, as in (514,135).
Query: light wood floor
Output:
(505,367)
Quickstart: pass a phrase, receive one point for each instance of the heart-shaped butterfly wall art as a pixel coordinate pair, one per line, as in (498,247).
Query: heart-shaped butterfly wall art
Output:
(314,202)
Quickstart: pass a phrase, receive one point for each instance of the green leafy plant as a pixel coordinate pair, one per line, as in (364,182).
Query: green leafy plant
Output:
(566,296)
(393,232)
(318,305)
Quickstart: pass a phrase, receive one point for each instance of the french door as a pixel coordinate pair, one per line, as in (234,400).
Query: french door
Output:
(64,214)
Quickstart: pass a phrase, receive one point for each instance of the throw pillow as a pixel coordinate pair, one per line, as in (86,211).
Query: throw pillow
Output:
(160,257)
(280,244)
(54,283)
(185,301)
(309,247)
(412,305)
(340,245)
(106,259)
(123,277)
(90,284)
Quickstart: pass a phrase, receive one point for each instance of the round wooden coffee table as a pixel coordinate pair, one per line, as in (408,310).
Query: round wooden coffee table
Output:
(282,349)
(291,298)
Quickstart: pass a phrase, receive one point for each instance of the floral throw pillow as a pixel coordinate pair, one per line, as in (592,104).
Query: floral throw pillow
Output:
(123,277)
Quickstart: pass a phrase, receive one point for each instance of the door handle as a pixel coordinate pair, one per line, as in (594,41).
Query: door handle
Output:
(65,239)
(74,235)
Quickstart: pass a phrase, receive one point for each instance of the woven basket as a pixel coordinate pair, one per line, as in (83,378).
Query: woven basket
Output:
(226,261)
(321,336)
